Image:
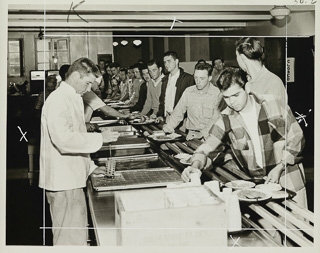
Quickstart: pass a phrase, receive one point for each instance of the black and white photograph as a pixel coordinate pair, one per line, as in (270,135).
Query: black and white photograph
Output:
(159,125)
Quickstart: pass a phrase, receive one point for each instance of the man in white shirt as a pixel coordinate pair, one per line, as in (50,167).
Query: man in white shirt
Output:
(65,163)
(154,89)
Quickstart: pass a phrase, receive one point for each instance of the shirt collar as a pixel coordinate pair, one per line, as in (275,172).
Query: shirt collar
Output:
(176,75)
(211,90)
(69,89)
(156,82)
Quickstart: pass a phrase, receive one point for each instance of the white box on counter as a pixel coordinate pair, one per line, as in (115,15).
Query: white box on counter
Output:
(191,216)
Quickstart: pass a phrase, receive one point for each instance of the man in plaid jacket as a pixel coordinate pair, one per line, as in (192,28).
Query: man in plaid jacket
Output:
(265,137)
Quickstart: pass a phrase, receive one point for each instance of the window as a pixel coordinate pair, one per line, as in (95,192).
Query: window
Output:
(15,57)
(52,53)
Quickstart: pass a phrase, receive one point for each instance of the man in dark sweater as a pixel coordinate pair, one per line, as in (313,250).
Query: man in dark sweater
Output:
(173,85)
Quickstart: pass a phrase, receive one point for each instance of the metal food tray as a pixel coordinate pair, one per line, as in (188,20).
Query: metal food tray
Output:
(135,179)
(126,143)
(133,162)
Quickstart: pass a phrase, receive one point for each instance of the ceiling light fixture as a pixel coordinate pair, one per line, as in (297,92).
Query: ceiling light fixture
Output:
(124,43)
(40,34)
(115,44)
(279,12)
(137,42)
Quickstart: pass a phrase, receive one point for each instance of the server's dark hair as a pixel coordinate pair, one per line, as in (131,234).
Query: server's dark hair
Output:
(171,53)
(204,66)
(229,76)
(251,48)
(114,65)
(154,61)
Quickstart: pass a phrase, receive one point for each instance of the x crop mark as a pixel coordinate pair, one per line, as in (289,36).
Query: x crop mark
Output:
(174,20)
(235,241)
(23,134)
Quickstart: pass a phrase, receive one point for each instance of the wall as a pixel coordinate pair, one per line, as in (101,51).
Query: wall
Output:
(86,44)
(298,24)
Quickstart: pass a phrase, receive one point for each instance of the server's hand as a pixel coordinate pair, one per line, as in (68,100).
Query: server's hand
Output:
(167,129)
(274,174)
(187,171)
(193,135)
(153,116)
(110,136)
(100,170)
(91,127)
(159,119)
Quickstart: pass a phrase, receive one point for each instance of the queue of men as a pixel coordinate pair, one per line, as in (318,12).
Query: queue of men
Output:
(256,124)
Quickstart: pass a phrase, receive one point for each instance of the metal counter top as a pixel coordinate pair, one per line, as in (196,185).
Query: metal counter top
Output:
(102,210)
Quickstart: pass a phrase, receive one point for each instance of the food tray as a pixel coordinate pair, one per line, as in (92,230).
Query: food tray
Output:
(134,179)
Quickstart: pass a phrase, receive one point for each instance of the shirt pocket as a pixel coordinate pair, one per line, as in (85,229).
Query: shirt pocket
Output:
(207,112)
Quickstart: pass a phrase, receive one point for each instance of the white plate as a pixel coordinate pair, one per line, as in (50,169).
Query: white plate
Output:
(279,194)
(240,184)
(253,195)
(271,187)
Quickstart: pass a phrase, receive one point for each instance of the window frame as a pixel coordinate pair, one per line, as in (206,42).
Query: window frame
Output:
(21,54)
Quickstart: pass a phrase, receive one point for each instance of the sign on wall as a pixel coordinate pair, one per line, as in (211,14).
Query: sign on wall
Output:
(290,69)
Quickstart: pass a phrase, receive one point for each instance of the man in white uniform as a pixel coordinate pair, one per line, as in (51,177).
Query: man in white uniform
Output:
(65,163)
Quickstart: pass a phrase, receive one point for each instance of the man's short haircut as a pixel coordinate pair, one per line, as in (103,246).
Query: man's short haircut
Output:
(251,48)
(204,66)
(217,58)
(84,66)
(230,76)
(171,53)
(154,61)
(137,66)
(201,61)
(63,70)
(114,65)
(124,70)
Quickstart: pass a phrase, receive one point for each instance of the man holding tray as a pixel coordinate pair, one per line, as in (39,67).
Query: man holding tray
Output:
(263,134)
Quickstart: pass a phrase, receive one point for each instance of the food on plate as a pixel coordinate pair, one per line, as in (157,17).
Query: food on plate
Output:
(251,194)
(240,184)
(272,187)
(182,156)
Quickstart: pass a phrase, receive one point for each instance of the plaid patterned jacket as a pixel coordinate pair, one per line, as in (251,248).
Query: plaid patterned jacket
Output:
(280,136)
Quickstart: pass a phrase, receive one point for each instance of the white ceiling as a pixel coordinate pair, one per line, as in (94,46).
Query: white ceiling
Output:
(139,17)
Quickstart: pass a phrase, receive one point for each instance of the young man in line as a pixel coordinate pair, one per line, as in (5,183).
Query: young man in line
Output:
(151,105)
(264,136)
(200,102)
(173,85)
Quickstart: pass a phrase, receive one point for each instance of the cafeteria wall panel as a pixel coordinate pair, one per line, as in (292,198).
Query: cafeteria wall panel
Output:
(199,48)
(178,44)
(158,48)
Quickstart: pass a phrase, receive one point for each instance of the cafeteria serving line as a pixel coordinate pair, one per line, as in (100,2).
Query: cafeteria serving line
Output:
(152,142)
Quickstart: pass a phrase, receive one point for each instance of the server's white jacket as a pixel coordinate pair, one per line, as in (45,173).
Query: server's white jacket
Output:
(65,144)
